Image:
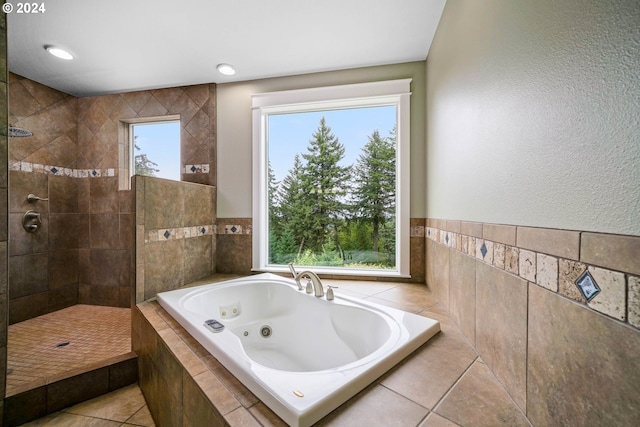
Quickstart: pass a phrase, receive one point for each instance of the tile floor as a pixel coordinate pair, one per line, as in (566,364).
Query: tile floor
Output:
(124,407)
(443,383)
(45,347)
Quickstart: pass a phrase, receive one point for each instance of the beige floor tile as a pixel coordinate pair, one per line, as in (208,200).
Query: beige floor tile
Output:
(376,406)
(119,405)
(435,420)
(63,419)
(142,418)
(479,400)
(426,375)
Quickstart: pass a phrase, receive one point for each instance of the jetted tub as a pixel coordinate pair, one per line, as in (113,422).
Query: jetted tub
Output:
(302,356)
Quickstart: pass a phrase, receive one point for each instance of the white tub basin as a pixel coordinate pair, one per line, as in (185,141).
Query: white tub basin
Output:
(302,356)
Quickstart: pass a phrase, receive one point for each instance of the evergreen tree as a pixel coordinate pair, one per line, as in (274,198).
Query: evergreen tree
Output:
(294,208)
(143,166)
(325,186)
(374,192)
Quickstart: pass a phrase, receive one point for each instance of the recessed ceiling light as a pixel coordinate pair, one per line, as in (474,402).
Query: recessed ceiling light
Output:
(226,69)
(58,52)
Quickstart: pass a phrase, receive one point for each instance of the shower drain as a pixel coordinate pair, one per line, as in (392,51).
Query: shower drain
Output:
(265,331)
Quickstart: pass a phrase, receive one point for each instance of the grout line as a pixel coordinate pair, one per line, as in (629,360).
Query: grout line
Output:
(448,392)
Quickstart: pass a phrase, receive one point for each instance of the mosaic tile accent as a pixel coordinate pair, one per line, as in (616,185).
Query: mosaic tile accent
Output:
(612,297)
(547,272)
(417,231)
(498,255)
(189,169)
(568,272)
(587,286)
(613,293)
(634,301)
(164,234)
(527,265)
(235,229)
(60,171)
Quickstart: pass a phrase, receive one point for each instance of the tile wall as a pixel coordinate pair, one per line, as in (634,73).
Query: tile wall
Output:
(84,252)
(44,266)
(512,290)
(4,186)
(175,229)
(234,248)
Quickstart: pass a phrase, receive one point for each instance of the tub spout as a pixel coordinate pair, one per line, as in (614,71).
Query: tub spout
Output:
(318,289)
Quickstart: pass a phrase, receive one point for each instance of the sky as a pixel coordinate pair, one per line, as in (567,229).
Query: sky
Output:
(161,143)
(289,134)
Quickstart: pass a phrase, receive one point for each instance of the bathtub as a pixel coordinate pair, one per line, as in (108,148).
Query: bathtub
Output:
(302,356)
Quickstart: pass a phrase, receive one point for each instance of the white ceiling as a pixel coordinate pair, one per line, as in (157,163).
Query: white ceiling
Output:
(127,45)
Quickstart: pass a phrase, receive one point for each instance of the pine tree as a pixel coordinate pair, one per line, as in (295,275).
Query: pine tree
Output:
(294,209)
(143,166)
(374,192)
(325,186)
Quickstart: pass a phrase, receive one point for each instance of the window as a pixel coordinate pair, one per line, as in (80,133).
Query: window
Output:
(155,149)
(332,187)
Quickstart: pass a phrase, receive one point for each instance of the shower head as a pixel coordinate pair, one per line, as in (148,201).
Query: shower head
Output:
(19,132)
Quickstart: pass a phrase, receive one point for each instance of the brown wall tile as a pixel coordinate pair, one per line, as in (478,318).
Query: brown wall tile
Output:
(63,297)
(233,253)
(199,204)
(62,231)
(22,184)
(28,307)
(462,293)
(198,260)
(162,272)
(164,207)
(77,389)
(105,231)
(582,366)
(611,251)
(438,271)
(505,234)
(471,228)
(25,407)
(63,194)
(560,243)
(103,195)
(417,263)
(28,275)
(501,327)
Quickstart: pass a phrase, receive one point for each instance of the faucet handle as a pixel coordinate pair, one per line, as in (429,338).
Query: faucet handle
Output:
(330,296)
(32,198)
(309,286)
(295,276)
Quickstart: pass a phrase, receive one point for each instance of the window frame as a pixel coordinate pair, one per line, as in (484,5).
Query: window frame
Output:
(390,92)
(149,121)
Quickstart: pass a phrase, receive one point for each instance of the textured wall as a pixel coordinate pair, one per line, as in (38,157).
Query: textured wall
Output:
(533,114)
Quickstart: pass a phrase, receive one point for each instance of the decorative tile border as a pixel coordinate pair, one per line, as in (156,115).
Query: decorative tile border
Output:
(164,234)
(235,229)
(60,171)
(618,293)
(190,169)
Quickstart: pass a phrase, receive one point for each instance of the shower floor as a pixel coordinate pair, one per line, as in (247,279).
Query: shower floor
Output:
(48,346)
